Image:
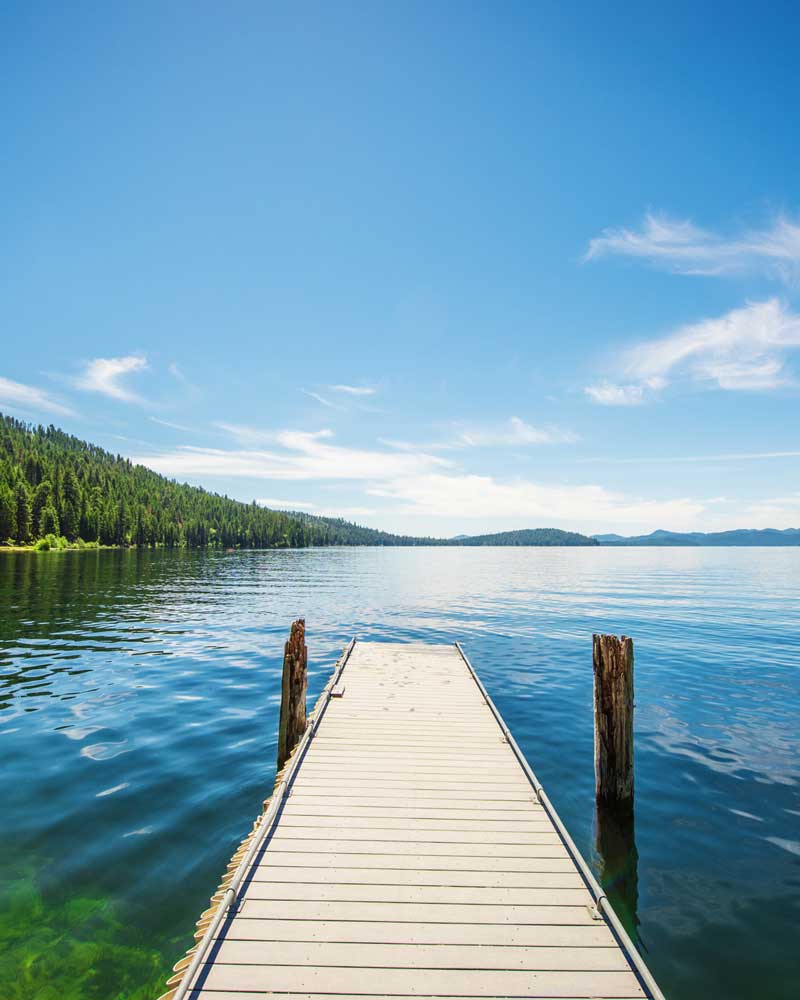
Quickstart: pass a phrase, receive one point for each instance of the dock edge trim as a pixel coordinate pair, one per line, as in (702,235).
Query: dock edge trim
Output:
(601,901)
(263,827)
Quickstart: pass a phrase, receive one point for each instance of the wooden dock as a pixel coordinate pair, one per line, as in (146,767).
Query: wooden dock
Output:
(409,851)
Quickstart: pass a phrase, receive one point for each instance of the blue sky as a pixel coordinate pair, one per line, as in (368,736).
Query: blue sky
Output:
(435,267)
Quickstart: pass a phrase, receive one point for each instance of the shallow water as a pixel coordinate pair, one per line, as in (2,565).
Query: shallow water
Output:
(139,697)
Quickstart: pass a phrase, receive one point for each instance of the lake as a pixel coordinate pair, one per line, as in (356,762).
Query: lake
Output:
(139,696)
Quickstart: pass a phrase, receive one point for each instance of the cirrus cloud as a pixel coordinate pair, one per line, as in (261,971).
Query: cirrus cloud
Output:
(354,390)
(514,431)
(292,455)
(745,349)
(27,398)
(105,375)
(685,248)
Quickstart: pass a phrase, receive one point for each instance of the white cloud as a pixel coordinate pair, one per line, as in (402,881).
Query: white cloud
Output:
(772,512)
(746,349)
(348,513)
(514,432)
(731,456)
(285,504)
(354,390)
(687,249)
(775,512)
(328,511)
(586,507)
(104,375)
(609,394)
(254,436)
(302,455)
(17,396)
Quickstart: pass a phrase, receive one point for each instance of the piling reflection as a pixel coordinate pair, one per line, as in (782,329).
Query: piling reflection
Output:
(618,862)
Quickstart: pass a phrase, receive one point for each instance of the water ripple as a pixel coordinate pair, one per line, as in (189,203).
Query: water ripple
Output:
(162,670)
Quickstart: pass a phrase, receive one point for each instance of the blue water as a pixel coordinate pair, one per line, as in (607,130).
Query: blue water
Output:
(138,713)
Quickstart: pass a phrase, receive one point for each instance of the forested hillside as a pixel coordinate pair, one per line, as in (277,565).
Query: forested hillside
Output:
(529,536)
(54,484)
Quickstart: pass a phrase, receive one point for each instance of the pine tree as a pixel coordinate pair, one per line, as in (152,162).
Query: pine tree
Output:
(49,522)
(8,514)
(71,505)
(22,500)
(42,497)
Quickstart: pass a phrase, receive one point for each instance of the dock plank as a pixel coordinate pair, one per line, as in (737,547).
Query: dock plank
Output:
(421,982)
(412,858)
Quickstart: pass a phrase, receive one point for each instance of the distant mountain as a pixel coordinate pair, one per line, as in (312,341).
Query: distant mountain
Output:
(739,537)
(529,536)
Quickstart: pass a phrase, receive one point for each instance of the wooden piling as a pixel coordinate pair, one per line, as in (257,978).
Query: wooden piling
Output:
(293,692)
(613,719)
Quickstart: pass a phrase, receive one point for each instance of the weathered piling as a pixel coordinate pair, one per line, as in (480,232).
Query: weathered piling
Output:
(613,719)
(293,692)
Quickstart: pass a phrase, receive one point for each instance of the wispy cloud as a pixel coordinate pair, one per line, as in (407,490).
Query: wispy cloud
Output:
(683,247)
(321,399)
(253,437)
(105,375)
(513,432)
(17,396)
(354,390)
(347,512)
(275,504)
(175,370)
(170,424)
(775,512)
(292,455)
(731,456)
(746,349)
(611,394)
(439,495)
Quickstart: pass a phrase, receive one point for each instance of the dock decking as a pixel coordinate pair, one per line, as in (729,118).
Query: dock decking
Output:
(411,856)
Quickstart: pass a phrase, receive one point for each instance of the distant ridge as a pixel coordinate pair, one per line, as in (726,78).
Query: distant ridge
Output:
(528,536)
(739,537)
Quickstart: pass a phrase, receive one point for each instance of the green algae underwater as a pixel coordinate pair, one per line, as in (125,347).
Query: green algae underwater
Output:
(75,949)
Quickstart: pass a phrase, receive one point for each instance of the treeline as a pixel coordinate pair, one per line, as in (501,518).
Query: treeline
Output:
(54,484)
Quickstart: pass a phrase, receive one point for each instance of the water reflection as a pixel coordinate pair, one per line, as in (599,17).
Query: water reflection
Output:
(618,861)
